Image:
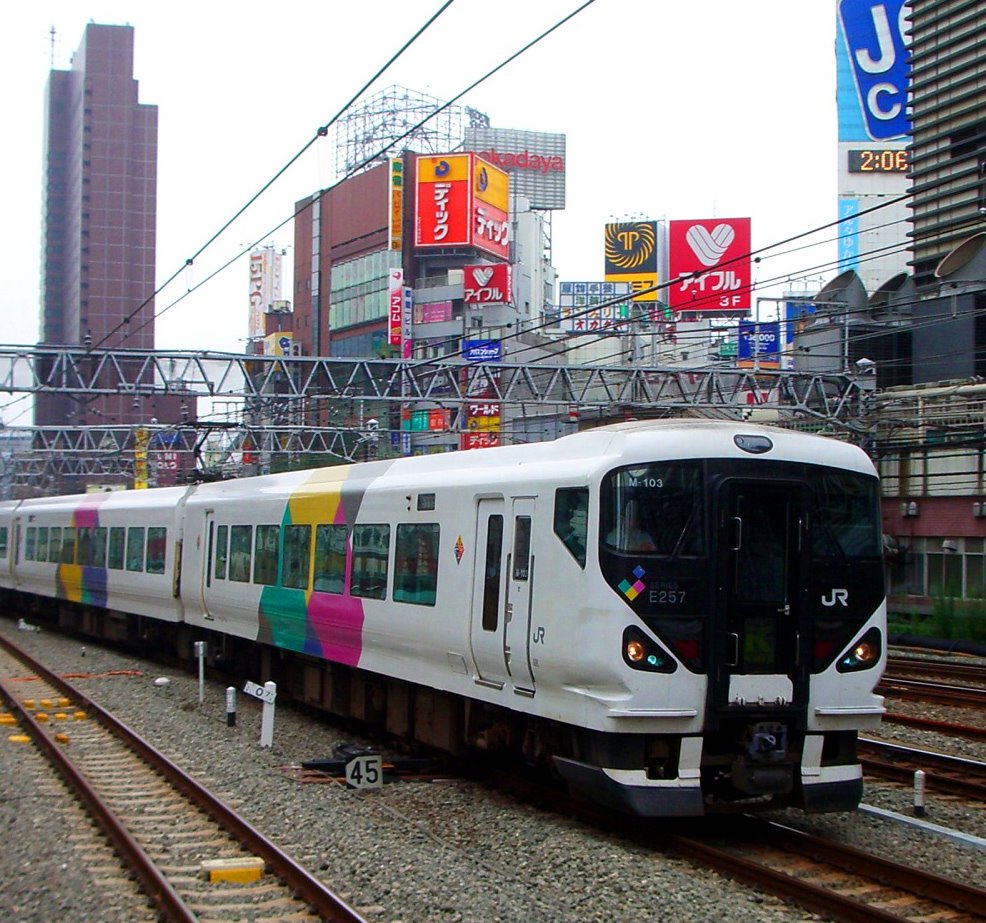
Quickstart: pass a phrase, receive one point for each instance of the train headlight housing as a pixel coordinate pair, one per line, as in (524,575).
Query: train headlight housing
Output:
(642,653)
(863,654)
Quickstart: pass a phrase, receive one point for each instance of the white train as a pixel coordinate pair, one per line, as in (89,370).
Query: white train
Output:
(680,617)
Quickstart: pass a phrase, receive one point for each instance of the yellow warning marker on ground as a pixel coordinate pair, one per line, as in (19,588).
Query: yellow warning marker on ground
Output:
(64,703)
(28,704)
(61,738)
(47,703)
(19,739)
(61,716)
(239,871)
(41,716)
(8,719)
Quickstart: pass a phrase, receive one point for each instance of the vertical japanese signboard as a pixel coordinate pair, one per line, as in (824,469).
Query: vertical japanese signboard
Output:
(709,266)
(462,201)
(396,223)
(483,411)
(631,256)
(395,295)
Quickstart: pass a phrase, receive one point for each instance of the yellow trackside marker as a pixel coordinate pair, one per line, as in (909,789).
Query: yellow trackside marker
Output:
(79,715)
(61,716)
(64,703)
(238,871)
(41,716)
(8,719)
(61,738)
(47,703)
(29,703)
(19,739)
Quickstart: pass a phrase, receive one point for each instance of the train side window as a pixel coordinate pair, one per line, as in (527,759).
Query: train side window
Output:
(42,543)
(239,553)
(135,548)
(85,546)
(416,563)
(3,541)
(68,545)
(118,540)
(491,579)
(330,559)
(99,546)
(522,547)
(297,548)
(572,520)
(222,551)
(55,544)
(157,547)
(30,543)
(267,539)
(371,547)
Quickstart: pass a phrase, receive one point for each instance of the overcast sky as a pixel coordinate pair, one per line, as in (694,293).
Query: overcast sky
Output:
(696,109)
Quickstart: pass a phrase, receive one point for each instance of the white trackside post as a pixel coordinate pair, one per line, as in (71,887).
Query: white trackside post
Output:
(267,715)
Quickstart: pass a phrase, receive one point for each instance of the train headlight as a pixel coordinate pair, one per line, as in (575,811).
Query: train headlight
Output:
(863,654)
(643,653)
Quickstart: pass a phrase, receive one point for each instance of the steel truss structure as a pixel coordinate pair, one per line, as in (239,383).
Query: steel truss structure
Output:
(295,405)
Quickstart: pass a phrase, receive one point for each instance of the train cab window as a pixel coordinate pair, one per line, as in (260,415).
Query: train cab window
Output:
(654,509)
(222,551)
(157,548)
(330,559)
(416,563)
(845,524)
(84,551)
(297,548)
(68,545)
(135,548)
(55,544)
(371,547)
(99,546)
(118,540)
(3,541)
(30,543)
(42,543)
(522,547)
(572,520)
(267,540)
(239,553)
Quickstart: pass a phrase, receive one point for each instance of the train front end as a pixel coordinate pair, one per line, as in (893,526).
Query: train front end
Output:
(748,577)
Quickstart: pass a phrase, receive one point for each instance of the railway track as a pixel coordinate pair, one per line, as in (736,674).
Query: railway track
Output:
(904,667)
(972,732)
(161,822)
(830,878)
(941,693)
(952,775)
(818,874)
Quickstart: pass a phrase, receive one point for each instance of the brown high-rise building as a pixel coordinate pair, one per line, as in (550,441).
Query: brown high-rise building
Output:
(99,217)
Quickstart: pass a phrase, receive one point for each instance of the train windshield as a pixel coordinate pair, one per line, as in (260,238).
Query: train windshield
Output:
(846,521)
(654,509)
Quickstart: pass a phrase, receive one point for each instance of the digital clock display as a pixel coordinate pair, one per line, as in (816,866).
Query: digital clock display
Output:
(878,161)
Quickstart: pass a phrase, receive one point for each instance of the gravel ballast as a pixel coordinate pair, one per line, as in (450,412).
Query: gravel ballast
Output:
(413,852)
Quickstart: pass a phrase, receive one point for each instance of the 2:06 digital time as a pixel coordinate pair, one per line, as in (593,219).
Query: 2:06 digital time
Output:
(887,160)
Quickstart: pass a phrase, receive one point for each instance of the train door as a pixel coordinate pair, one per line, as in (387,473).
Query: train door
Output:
(760,647)
(520,593)
(487,633)
(501,605)
(208,557)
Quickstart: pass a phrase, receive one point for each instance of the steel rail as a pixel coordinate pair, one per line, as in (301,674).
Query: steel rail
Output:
(157,887)
(308,888)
